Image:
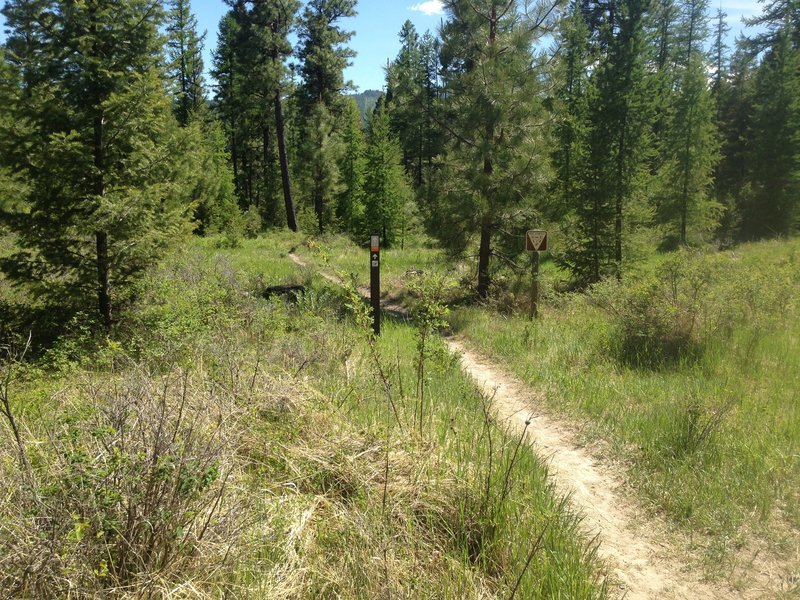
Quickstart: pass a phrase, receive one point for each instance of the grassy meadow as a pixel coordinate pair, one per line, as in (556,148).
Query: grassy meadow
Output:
(225,445)
(691,375)
(686,372)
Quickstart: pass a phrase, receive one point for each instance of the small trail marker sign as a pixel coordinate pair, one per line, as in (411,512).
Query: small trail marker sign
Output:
(536,241)
(375,282)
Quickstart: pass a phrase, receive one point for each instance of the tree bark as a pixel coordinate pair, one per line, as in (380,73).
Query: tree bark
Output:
(291,216)
(102,262)
(484,254)
(618,208)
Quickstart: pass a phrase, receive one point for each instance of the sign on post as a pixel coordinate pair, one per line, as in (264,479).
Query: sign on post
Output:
(535,242)
(375,282)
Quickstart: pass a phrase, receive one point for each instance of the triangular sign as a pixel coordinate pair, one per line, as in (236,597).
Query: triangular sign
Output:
(536,241)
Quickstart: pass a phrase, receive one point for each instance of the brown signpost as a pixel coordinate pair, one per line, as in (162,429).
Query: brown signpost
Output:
(535,242)
(375,282)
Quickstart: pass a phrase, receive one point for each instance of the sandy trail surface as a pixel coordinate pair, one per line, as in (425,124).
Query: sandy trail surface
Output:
(641,567)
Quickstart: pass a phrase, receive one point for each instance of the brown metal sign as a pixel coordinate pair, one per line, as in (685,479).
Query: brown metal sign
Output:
(536,241)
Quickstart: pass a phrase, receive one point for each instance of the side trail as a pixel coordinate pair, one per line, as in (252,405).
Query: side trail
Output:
(640,566)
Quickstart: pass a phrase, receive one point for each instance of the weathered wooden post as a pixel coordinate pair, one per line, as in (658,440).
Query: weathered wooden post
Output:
(535,242)
(375,282)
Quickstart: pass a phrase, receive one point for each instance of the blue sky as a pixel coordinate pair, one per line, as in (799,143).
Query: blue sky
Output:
(376,26)
(379,21)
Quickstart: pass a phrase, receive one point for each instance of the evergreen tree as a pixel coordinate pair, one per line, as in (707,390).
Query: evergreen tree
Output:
(770,209)
(350,204)
(690,147)
(323,57)
(735,99)
(249,66)
(12,189)
(569,107)
(405,81)
(209,184)
(493,118)
(385,186)
(185,60)
(617,144)
(102,151)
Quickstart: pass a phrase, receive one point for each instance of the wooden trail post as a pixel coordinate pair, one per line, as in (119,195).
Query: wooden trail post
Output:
(535,242)
(375,282)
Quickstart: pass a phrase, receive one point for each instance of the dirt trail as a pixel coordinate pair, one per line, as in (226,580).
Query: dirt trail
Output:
(641,566)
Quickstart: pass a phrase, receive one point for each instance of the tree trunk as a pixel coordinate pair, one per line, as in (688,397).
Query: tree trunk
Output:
(484,255)
(319,201)
(618,208)
(291,216)
(485,252)
(101,237)
(103,286)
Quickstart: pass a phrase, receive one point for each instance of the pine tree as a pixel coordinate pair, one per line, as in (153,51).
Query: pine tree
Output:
(323,57)
(617,145)
(735,99)
(385,186)
(405,81)
(105,157)
(493,118)
(690,147)
(12,188)
(209,182)
(350,204)
(249,66)
(185,60)
(569,107)
(774,158)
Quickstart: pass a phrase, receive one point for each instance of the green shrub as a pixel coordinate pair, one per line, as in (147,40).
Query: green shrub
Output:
(123,488)
(690,299)
(663,317)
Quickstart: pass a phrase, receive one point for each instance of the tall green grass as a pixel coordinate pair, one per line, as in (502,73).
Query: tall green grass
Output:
(323,490)
(711,435)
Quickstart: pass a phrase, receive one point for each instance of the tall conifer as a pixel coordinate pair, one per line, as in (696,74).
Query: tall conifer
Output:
(104,163)
(495,161)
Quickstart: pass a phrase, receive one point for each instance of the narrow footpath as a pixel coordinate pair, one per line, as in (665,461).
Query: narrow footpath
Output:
(643,564)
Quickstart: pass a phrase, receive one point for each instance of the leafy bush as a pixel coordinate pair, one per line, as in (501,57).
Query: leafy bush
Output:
(122,489)
(692,297)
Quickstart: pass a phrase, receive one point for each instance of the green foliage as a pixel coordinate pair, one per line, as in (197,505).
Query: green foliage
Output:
(100,149)
(320,153)
(386,190)
(691,148)
(666,317)
(185,56)
(687,302)
(410,98)
(126,483)
(771,208)
(210,180)
(610,165)
(494,164)
(252,222)
(250,70)
(320,102)
(352,166)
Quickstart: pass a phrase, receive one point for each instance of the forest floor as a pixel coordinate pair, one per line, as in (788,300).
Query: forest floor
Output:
(646,557)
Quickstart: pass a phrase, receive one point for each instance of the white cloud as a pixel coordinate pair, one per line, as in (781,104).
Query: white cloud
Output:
(431,7)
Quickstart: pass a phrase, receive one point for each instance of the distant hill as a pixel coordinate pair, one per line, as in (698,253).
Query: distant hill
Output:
(366,101)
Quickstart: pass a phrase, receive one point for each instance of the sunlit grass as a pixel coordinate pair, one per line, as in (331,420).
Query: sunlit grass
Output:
(714,442)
